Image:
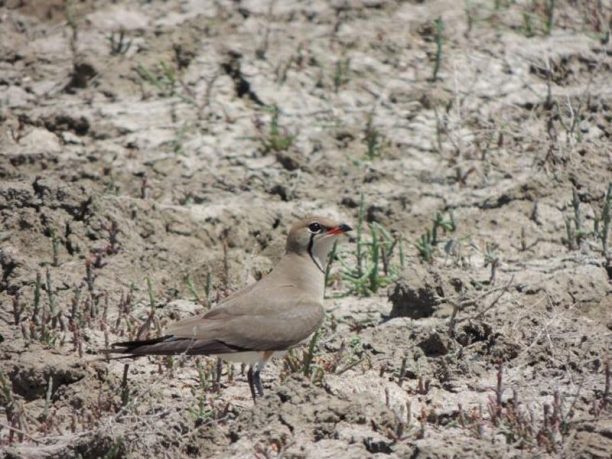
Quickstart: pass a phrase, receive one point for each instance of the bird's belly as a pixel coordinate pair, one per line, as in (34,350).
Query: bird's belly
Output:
(250,357)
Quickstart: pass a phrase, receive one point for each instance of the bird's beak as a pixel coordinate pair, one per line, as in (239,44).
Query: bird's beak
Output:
(340,229)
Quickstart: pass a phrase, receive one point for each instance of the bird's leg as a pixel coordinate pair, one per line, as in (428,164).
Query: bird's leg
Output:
(251,379)
(257,383)
(258,369)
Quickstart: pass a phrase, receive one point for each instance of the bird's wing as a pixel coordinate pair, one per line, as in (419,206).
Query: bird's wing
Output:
(225,333)
(274,326)
(272,314)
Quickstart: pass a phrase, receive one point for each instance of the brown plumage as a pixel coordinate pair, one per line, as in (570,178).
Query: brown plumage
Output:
(280,311)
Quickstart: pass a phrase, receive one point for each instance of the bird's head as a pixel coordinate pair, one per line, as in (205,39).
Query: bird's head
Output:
(315,236)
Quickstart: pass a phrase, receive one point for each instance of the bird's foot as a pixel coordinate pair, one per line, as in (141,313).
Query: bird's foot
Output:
(255,384)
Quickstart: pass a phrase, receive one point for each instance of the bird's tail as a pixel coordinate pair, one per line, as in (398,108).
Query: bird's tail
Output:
(168,345)
(164,345)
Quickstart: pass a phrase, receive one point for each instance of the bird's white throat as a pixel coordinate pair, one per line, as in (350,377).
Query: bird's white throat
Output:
(321,249)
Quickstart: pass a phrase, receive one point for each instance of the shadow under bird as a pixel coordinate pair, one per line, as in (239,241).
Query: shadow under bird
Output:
(263,320)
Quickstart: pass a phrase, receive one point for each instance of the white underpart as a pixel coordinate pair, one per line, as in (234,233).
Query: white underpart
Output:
(322,247)
(250,357)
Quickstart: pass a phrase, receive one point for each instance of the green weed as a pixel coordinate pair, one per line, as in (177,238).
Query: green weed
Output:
(205,300)
(427,242)
(602,223)
(310,353)
(202,411)
(55,242)
(439,39)
(575,233)
(374,140)
(276,138)
(118,44)
(305,363)
(162,76)
(550,15)
(341,73)
(373,264)
(356,356)
(492,259)
(528,27)
(538,18)
(12,409)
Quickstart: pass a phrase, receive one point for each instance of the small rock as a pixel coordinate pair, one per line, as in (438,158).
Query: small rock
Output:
(184,308)
(41,140)
(414,294)
(181,228)
(288,160)
(82,73)
(30,376)
(435,345)
(15,97)
(363,434)
(70,138)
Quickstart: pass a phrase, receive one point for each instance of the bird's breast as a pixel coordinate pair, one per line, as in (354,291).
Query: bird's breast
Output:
(250,357)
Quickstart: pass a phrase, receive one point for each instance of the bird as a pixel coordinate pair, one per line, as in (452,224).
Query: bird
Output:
(263,320)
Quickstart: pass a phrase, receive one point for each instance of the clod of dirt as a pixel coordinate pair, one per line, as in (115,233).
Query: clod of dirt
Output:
(57,195)
(10,261)
(15,194)
(376,214)
(31,374)
(473,332)
(82,73)
(593,439)
(435,345)
(414,294)
(298,412)
(585,285)
(184,54)
(86,445)
(289,160)
(65,122)
(482,338)
(434,447)
(373,441)
(232,67)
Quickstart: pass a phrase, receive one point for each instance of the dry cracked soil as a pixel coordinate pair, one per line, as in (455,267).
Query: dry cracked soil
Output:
(153,154)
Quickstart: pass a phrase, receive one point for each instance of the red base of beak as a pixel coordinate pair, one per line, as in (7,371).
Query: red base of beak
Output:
(340,229)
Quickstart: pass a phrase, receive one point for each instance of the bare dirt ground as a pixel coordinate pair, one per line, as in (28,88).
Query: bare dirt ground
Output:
(153,153)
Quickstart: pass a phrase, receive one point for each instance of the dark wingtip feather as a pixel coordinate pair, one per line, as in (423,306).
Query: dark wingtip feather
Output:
(144,342)
(131,348)
(171,345)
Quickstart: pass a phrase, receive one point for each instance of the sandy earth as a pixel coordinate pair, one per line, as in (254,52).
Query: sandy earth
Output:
(153,154)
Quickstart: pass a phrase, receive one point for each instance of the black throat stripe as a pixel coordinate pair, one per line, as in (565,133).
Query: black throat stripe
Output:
(314,260)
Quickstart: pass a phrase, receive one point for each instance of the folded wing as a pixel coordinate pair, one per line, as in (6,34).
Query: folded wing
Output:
(230,328)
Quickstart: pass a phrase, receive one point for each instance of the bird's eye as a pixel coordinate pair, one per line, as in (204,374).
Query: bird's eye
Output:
(314,227)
